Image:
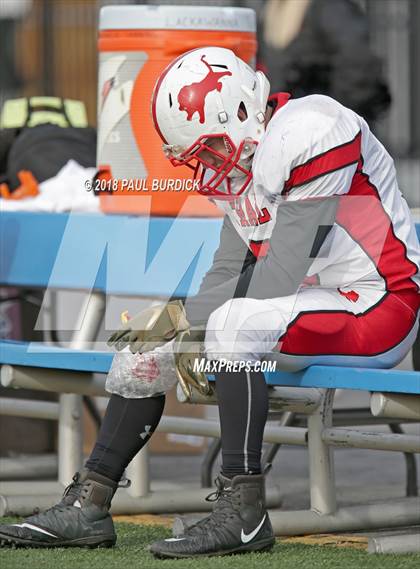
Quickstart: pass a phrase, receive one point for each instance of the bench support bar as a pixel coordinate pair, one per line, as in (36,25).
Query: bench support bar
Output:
(28,466)
(395,405)
(163,501)
(352,438)
(29,408)
(293,399)
(385,515)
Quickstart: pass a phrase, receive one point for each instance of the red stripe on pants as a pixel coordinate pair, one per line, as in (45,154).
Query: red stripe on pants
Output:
(342,333)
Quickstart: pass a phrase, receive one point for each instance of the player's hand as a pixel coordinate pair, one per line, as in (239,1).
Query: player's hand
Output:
(188,348)
(151,328)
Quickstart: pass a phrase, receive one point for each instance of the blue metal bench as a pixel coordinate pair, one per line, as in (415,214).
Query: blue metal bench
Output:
(40,355)
(44,250)
(130,256)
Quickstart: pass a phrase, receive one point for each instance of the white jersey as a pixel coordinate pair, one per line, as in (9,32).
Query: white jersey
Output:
(316,148)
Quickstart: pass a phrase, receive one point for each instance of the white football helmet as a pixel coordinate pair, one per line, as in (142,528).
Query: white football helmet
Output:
(207,94)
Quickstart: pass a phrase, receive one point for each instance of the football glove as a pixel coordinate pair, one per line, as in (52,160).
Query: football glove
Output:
(188,348)
(151,328)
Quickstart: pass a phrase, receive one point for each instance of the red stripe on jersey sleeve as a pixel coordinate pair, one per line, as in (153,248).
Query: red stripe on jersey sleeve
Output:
(325,163)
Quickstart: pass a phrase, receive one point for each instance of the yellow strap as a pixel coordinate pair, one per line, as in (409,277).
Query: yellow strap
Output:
(42,117)
(76,111)
(14,113)
(54,102)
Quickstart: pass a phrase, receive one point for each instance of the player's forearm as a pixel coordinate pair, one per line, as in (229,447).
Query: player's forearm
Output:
(230,259)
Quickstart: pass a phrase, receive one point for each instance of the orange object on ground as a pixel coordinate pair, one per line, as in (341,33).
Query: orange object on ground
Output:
(28,187)
(136,43)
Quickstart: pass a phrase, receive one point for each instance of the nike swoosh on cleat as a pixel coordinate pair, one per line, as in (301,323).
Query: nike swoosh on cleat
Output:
(175,539)
(246,537)
(35,528)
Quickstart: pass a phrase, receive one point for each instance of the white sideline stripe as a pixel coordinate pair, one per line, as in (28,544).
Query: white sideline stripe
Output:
(35,528)
(248,421)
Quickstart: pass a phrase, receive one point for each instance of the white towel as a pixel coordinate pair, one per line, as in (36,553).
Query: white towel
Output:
(67,191)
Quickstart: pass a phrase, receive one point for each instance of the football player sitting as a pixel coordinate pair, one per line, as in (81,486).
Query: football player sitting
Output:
(318,262)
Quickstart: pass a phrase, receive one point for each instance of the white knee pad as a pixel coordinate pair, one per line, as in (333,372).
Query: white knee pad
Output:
(243,329)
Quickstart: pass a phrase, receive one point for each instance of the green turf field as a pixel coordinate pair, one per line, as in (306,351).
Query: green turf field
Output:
(130,553)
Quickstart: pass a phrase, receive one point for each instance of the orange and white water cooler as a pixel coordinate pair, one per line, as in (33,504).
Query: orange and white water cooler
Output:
(136,43)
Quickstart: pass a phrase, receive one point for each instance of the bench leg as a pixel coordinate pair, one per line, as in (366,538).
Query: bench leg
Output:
(410,465)
(138,474)
(90,319)
(70,423)
(70,437)
(208,462)
(321,466)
